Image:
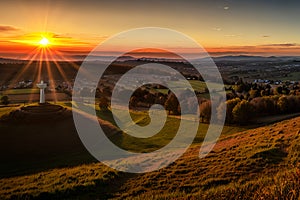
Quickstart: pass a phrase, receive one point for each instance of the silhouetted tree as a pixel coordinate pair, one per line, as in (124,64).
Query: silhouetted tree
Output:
(278,90)
(4,100)
(103,104)
(133,101)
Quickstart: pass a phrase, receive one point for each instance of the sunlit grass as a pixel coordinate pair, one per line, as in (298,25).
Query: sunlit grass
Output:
(235,169)
(58,182)
(259,163)
(22,91)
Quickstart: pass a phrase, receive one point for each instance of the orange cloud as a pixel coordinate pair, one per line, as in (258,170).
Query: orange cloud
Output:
(5,28)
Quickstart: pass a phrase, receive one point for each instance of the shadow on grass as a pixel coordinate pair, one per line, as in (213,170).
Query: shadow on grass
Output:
(105,188)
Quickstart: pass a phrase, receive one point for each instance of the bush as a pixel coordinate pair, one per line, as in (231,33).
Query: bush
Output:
(172,104)
(242,112)
(264,105)
(205,111)
(103,104)
(230,104)
(4,100)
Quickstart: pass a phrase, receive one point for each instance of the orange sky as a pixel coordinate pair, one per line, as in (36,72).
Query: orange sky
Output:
(220,26)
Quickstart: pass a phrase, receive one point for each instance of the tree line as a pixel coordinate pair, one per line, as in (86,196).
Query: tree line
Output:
(245,101)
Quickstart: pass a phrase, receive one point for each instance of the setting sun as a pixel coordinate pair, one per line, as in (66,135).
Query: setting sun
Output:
(44,42)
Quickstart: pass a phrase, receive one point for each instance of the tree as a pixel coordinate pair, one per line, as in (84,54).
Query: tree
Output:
(4,100)
(172,104)
(103,104)
(98,93)
(265,92)
(264,105)
(242,112)
(278,90)
(189,105)
(283,104)
(205,111)
(133,102)
(230,104)
(253,93)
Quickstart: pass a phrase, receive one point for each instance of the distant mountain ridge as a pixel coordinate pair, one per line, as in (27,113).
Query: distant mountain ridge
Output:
(255,58)
(233,58)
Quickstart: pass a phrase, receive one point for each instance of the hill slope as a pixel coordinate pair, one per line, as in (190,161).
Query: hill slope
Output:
(262,163)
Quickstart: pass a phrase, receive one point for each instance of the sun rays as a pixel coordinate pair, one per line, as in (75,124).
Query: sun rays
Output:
(45,59)
(44,42)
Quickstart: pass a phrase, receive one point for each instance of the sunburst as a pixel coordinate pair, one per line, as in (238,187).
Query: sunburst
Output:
(44,42)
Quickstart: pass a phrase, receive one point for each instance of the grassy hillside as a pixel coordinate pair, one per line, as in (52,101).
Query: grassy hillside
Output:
(261,163)
(32,147)
(257,164)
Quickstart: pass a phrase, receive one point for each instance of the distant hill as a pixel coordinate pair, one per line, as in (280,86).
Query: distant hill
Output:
(254,58)
(9,60)
(80,58)
(101,58)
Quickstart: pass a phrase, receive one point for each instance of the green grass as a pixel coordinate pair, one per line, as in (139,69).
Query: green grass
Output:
(295,76)
(21,91)
(260,163)
(255,164)
(59,183)
(196,85)
(160,139)
(36,147)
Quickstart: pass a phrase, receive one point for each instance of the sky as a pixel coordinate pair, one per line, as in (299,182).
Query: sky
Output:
(222,27)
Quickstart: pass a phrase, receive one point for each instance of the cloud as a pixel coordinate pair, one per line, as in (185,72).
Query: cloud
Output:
(5,28)
(233,35)
(282,45)
(217,29)
(61,36)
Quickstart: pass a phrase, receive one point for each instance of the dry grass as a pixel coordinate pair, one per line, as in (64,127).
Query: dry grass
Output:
(255,164)
(262,163)
(58,183)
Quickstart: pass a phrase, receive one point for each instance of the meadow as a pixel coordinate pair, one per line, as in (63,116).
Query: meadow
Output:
(21,91)
(261,163)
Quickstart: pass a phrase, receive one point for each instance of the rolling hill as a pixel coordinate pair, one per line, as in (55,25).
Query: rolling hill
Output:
(260,163)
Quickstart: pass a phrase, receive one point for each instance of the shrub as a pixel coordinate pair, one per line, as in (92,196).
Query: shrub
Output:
(103,104)
(205,111)
(4,100)
(230,104)
(242,112)
(172,104)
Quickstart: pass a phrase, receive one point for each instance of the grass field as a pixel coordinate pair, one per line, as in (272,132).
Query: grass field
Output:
(160,139)
(295,76)
(260,163)
(21,91)
(197,86)
(48,161)
(29,148)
